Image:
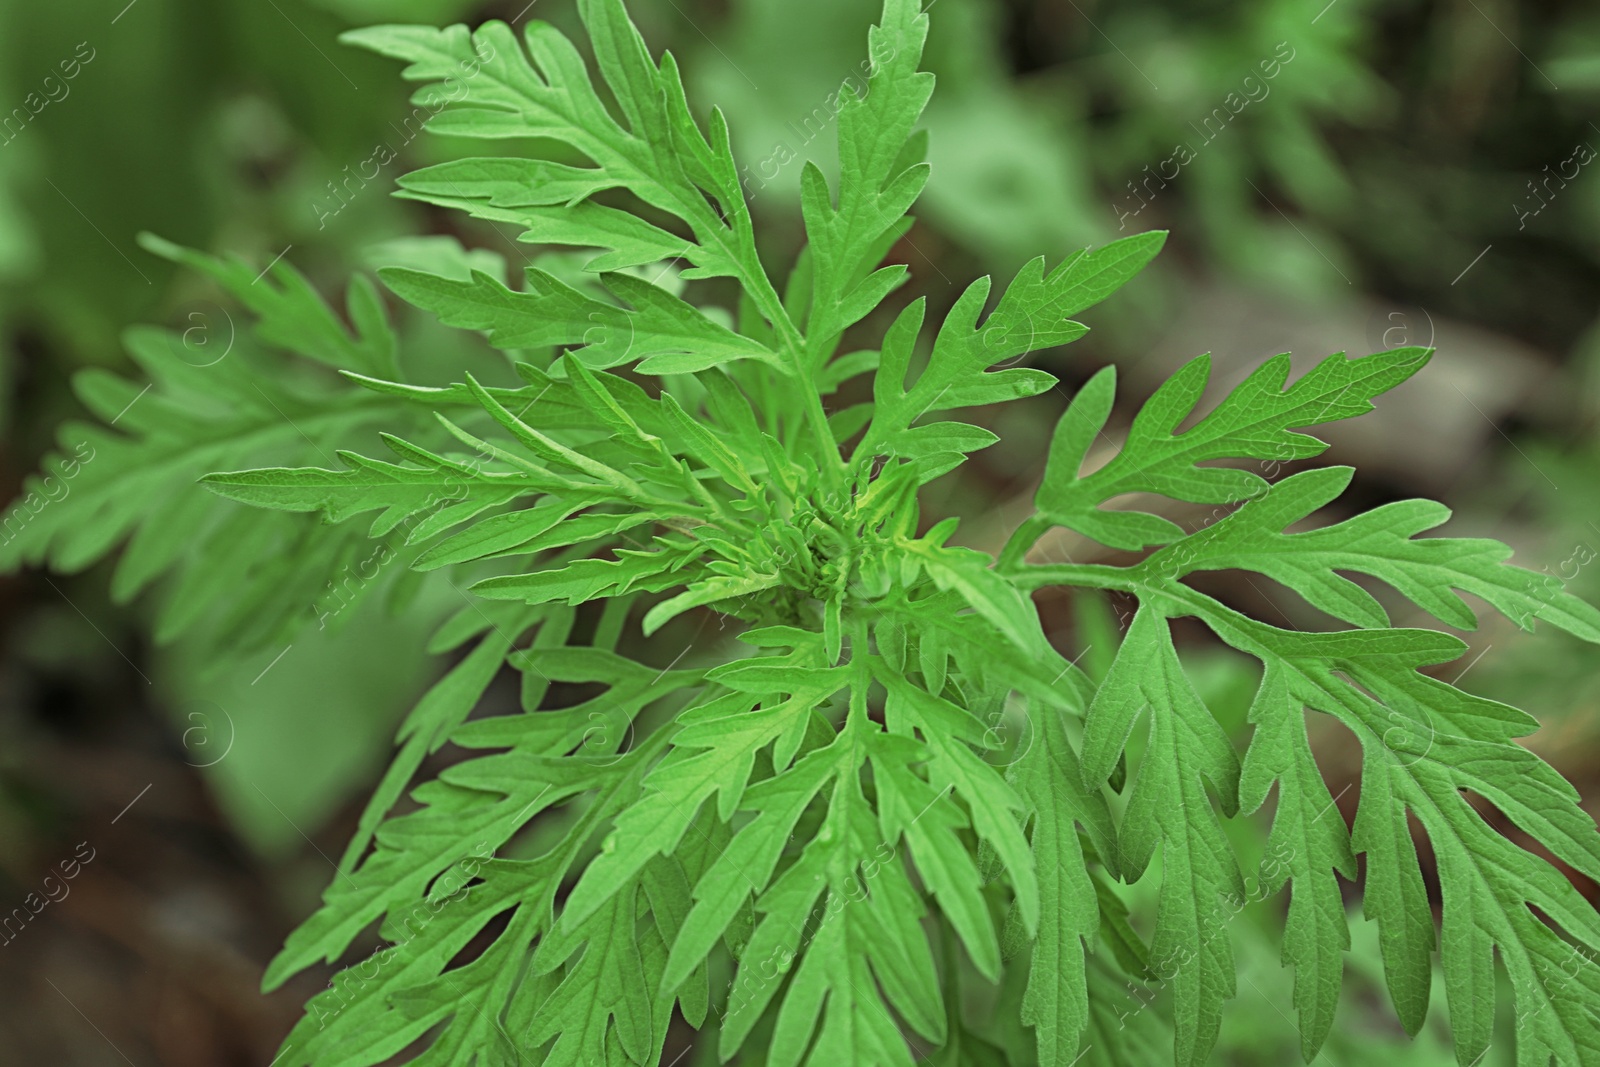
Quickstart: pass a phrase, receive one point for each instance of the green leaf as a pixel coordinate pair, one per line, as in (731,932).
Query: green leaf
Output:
(443,708)
(944,727)
(1381,542)
(547,526)
(507,182)
(713,754)
(579,1019)
(744,869)
(591,579)
(1307,845)
(718,588)
(970,574)
(1049,781)
(290,314)
(248,577)
(1169,805)
(930,823)
(663,334)
(865,936)
(877,183)
(1257,420)
(500,91)
(1032,314)
(1424,744)
(424,500)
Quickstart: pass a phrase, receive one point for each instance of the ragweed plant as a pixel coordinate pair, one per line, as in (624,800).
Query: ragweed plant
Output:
(813,841)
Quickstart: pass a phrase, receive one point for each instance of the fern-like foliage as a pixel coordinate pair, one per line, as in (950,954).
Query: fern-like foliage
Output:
(810,842)
(216,398)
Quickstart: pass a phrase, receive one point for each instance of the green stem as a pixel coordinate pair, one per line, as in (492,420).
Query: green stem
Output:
(861,668)
(755,281)
(1022,539)
(1082,575)
(794,345)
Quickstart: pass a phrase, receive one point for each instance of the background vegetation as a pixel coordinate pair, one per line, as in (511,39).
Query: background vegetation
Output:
(1356,176)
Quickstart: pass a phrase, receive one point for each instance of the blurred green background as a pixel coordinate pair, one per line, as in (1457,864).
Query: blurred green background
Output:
(1336,176)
